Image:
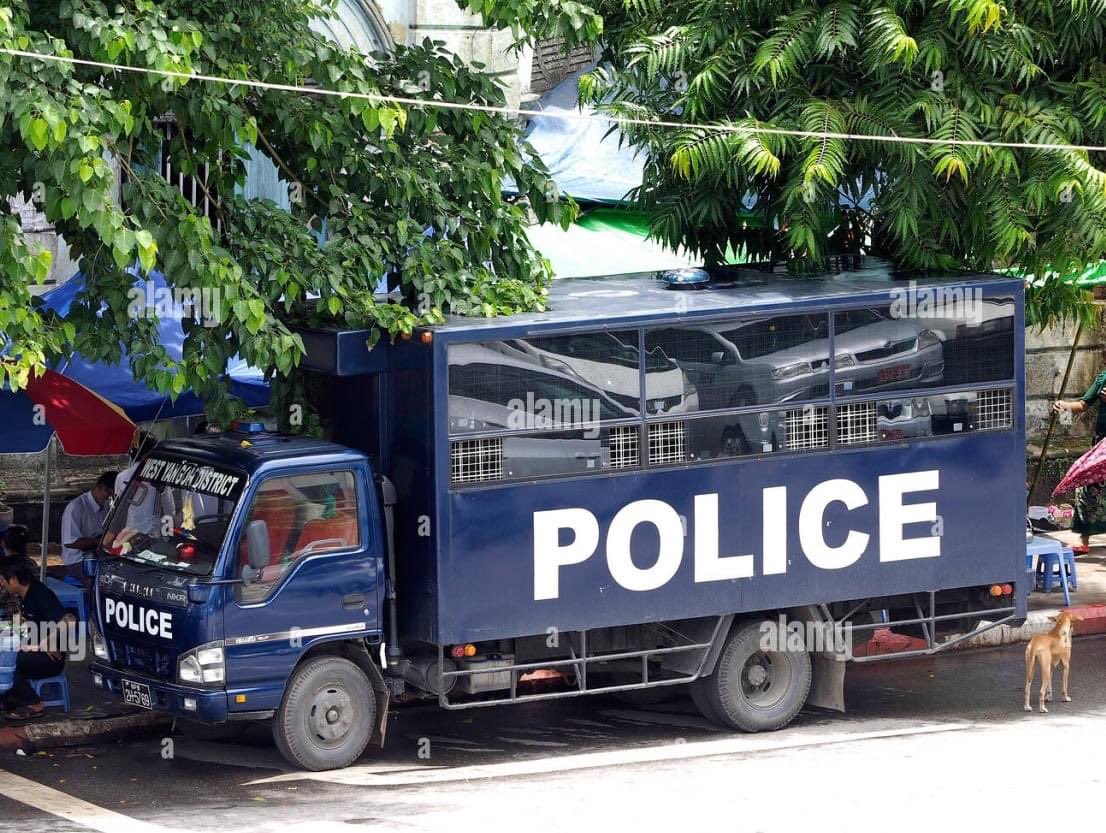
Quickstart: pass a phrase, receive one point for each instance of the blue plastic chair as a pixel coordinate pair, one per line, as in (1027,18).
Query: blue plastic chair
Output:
(71,597)
(54,691)
(1052,566)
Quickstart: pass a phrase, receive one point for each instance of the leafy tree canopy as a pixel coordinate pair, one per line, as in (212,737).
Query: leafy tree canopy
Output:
(372,177)
(951,71)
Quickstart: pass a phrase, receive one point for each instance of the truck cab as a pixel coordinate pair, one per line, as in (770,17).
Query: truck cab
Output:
(262,549)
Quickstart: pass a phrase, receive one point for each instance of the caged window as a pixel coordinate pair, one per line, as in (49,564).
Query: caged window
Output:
(965,340)
(740,364)
(535,384)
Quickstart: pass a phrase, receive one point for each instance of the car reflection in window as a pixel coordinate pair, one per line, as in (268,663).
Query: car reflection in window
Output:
(903,419)
(877,352)
(748,363)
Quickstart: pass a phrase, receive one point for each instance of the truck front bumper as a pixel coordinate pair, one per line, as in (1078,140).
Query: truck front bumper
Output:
(200,704)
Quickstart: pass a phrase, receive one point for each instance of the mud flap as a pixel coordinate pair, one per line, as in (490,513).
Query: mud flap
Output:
(827,684)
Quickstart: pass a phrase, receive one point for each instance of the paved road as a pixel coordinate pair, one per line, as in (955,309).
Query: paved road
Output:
(938,741)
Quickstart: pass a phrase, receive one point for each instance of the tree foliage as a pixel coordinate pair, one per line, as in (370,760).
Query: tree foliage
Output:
(374,177)
(950,71)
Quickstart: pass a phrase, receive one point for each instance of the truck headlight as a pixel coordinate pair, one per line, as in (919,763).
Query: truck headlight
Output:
(99,644)
(204,665)
(844,360)
(790,371)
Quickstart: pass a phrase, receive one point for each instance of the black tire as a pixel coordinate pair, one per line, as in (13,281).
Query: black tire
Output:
(327,716)
(227,732)
(755,690)
(698,691)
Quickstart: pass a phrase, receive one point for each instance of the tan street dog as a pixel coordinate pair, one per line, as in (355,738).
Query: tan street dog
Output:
(1048,650)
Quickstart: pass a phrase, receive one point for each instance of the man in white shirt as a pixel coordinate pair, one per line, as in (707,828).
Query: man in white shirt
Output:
(148,508)
(82,524)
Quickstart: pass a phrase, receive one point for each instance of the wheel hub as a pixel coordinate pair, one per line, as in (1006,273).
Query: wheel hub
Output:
(765,678)
(331,715)
(757,675)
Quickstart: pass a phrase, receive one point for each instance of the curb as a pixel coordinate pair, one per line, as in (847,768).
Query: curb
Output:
(885,642)
(36,736)
(1039,621)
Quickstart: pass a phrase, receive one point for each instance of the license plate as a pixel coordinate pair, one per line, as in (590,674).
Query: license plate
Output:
(891,374)
(137,694)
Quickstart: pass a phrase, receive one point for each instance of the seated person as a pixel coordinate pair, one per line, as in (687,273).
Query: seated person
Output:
(44,657)
(15,546)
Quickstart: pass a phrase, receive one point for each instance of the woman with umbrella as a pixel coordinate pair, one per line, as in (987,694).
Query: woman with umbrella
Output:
(1090,495)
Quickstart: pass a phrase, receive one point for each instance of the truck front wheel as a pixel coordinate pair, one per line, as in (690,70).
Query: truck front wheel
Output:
(326,718)
(755,688)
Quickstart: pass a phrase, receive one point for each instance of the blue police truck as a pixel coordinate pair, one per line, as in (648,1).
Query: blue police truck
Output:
(656,483)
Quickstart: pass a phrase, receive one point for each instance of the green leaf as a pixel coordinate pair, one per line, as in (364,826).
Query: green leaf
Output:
(147,249)
(39,132)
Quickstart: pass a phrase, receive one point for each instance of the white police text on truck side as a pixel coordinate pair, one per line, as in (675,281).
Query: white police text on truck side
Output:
(550,555)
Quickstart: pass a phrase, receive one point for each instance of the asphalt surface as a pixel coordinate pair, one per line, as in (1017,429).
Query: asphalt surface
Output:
(935,740)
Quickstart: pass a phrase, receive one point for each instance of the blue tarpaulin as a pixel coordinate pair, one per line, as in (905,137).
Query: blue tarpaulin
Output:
(585,162)
(116,383)
(593,163)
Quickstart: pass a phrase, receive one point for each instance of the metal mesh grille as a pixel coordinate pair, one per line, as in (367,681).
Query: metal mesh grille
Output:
(856,423)
(994,409)
(474,461)
(807,427)
(624,443)
(667,443)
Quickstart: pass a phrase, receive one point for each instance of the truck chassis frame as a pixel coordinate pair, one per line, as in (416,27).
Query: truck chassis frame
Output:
(927,618)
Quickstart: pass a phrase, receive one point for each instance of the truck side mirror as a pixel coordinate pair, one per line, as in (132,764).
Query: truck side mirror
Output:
(257,550)
(718,357)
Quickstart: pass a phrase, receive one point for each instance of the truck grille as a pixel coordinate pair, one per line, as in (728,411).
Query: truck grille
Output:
(159,663)
(807,427)
(856,423)
(667,443)
(624,443)
(474,461)
(994,409)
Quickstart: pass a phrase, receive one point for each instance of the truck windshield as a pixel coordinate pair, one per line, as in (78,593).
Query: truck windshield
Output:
(174,514)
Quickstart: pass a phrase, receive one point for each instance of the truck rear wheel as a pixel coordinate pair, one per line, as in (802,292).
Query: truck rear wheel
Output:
(754,688)
(326,718)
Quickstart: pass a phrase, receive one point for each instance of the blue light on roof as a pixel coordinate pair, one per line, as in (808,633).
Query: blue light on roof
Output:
(246,427)
(687,278)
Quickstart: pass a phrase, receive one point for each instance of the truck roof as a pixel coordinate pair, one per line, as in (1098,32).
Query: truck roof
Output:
(642,295)
(249,451)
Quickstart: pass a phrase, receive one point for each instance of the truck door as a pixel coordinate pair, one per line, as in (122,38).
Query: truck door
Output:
(321,583)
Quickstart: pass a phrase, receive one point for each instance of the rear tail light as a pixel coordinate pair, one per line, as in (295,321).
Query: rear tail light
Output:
(996,590)
(1007,589)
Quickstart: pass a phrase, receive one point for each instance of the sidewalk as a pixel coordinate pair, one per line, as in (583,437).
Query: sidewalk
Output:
(94,717)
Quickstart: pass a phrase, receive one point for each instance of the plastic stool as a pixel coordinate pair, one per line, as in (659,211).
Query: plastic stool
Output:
(54,691)
(1051,565)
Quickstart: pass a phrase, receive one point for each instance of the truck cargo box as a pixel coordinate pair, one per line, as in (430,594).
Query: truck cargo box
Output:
(640,453)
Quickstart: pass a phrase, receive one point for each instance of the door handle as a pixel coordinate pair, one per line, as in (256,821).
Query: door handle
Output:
(353,601)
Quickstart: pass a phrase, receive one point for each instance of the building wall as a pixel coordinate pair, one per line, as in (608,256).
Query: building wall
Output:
(1046,357)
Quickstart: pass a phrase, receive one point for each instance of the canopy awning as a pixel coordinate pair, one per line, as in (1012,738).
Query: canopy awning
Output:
(117,384)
